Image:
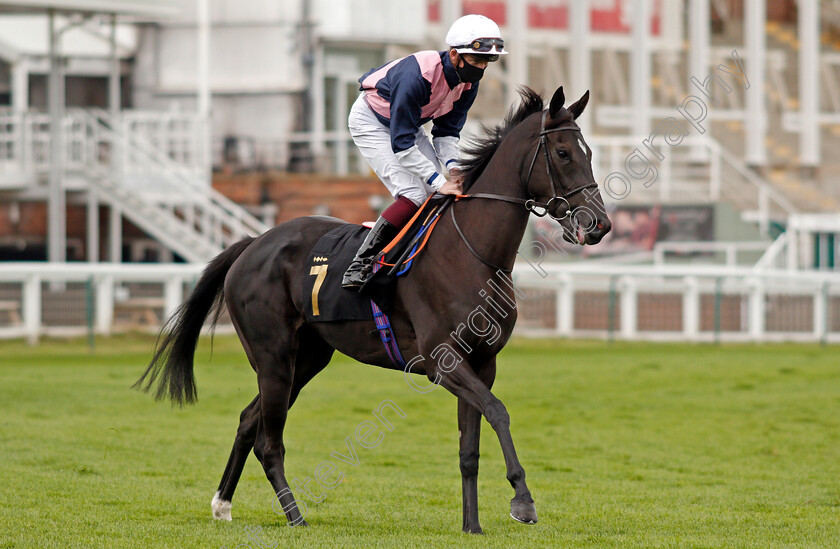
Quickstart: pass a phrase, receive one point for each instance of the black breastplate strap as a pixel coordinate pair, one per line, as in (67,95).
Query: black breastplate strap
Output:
(469,246)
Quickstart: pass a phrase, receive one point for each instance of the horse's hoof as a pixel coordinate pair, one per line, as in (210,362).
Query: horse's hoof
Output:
(221,508)
(301,522)
(523,511)
(473,529)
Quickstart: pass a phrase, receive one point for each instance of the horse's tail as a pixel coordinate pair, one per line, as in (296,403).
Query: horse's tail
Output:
(172,364)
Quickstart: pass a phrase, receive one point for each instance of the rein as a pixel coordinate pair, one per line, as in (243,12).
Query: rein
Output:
(537,208)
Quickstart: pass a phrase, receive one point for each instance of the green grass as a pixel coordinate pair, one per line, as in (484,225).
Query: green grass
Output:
(624,445)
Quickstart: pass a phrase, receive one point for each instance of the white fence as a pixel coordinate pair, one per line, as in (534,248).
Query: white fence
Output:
(678,303)
(733,253)
(42,299)
(665,303)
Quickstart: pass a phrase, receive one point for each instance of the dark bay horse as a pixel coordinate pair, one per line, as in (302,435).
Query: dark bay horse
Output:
(536,161)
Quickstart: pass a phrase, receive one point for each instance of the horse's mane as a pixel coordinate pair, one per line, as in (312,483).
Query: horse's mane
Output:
(479,150)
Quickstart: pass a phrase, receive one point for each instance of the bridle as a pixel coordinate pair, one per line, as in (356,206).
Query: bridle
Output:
(537,208)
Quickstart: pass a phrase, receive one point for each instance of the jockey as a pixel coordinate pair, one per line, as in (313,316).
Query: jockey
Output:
(386,119)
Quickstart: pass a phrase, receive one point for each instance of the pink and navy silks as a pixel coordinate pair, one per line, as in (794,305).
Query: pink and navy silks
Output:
(408,92)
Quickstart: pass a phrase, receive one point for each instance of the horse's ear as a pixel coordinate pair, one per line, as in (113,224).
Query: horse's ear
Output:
(577,107)
(556,102)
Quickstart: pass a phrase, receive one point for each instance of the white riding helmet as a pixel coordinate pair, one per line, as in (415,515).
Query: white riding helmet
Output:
(476,34)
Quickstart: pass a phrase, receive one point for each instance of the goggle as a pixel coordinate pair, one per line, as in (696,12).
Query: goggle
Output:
(476,57)
(485,45)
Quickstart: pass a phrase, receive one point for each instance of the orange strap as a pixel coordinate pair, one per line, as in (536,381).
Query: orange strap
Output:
(419,249)
(405,228)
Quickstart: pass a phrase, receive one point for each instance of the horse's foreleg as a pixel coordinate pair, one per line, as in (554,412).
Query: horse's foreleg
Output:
(466,385)
(469,429)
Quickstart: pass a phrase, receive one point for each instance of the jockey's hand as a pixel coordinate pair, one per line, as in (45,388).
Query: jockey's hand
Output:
(456,175)
(452,186)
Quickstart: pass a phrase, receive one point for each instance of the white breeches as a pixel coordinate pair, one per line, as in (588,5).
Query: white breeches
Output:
(374,142)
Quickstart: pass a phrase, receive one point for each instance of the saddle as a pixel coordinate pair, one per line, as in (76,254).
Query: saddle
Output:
(327,301)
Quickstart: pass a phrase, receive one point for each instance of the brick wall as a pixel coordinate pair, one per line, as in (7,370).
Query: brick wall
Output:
(298,195)
(294,195)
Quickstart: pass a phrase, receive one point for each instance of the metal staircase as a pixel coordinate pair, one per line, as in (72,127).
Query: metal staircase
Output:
(155,219)
(162,197)
(698,170)
(170,200)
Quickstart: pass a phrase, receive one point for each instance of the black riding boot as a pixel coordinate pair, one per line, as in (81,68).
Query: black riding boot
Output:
(362,265)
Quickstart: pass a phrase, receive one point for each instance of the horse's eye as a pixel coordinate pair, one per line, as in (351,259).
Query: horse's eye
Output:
(563,154)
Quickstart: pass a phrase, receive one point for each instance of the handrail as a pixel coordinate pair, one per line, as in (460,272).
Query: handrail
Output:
(168,174)
(771,255)
(254,225)
(752,177)
(179,235)
(549,273)
(235,218)
(189,209)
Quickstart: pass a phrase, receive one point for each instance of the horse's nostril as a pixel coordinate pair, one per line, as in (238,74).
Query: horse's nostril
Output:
(600,225)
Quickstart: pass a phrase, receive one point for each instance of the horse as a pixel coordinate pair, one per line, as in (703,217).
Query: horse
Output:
(535,161)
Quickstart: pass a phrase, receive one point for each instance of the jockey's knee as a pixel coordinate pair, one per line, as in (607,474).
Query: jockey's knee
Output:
(418,196)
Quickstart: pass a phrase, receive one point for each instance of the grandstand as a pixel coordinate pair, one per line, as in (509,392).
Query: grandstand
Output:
(160,132)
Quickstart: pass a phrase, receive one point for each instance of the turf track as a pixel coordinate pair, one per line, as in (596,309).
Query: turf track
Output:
(624,445)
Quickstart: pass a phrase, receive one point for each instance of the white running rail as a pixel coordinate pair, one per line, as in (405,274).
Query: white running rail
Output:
(730,250)
(677,303)
(632,302)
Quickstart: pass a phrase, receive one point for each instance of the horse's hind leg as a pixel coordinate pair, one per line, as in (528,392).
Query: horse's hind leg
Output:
(313,356)
(277,395)
(249,423)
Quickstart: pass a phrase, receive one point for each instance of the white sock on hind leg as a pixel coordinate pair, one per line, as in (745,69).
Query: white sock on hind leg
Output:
(221,508)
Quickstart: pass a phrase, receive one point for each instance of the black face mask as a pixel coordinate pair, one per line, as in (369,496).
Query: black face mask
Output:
(469,73)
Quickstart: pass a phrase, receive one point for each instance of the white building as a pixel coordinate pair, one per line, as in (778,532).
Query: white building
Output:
(275,68)
(269,83)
